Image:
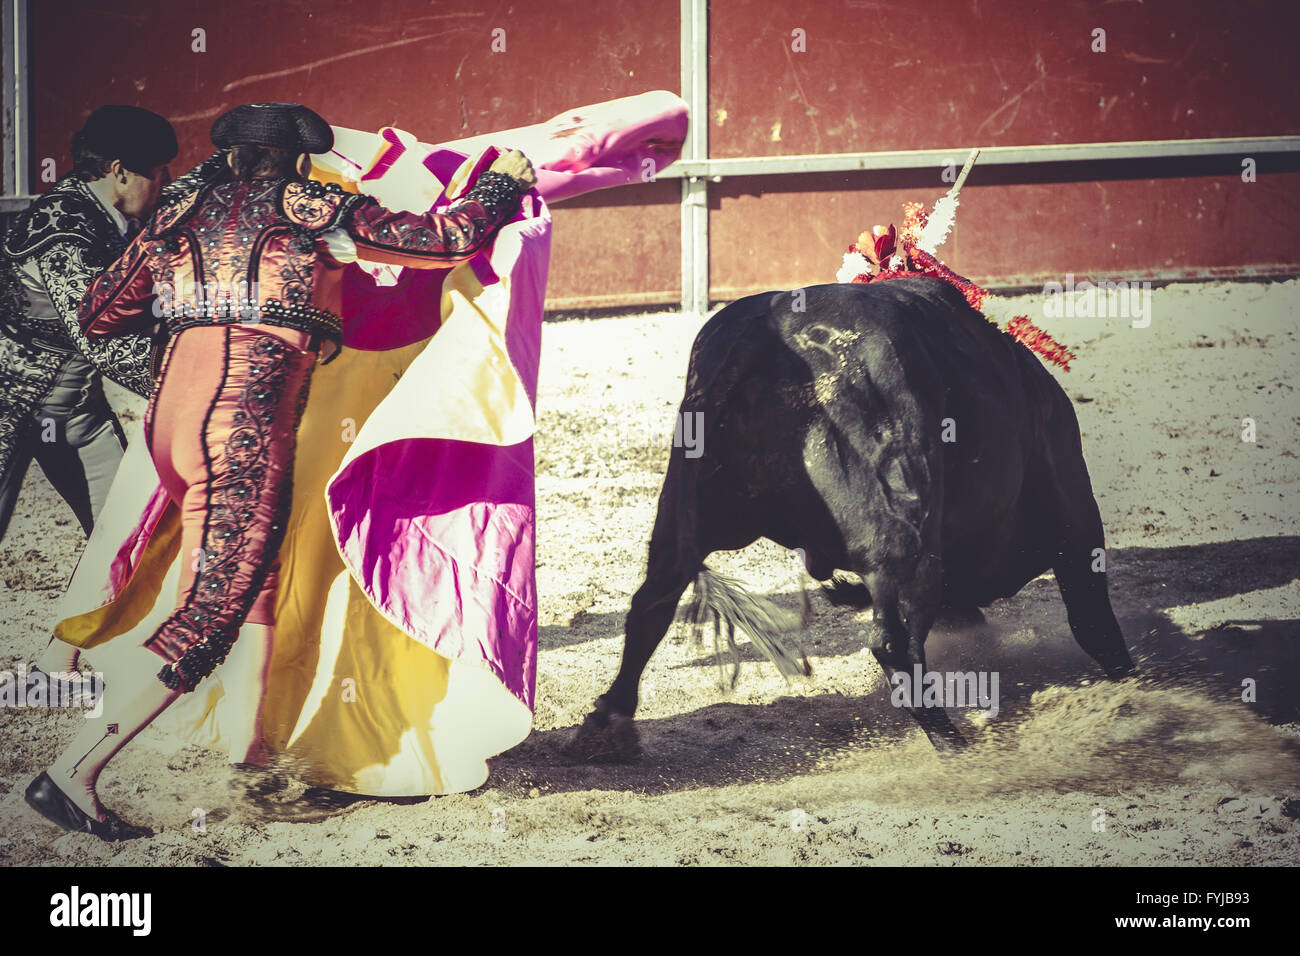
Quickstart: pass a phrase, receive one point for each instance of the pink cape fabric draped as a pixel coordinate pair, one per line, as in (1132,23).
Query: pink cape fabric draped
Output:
(432,508)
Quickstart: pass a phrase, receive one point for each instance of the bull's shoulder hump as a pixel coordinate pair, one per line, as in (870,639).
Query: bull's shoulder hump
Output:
(844,312)
(720,339)
(731,324)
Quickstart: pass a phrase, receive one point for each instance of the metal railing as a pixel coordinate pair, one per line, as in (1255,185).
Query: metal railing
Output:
(695,168)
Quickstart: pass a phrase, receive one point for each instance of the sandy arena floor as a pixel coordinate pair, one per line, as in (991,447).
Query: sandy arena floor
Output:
(1204,550)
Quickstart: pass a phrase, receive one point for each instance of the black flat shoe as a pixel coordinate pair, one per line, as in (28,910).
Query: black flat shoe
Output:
(44,796)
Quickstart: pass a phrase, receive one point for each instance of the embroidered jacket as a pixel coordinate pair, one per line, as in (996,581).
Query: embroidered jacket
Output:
(260,251)
(50,254)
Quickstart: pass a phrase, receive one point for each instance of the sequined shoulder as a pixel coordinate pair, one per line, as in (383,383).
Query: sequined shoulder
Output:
(315,206)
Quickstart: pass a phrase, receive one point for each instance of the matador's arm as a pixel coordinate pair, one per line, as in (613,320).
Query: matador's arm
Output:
(67,270)
(435,240)
(119,302)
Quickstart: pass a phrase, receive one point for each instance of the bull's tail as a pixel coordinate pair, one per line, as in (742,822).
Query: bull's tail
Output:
(771,628)
(842,592)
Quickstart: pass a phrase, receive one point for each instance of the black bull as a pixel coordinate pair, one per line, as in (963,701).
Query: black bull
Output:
(886,429)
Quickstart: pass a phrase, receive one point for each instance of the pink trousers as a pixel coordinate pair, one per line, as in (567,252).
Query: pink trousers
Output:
(221,429)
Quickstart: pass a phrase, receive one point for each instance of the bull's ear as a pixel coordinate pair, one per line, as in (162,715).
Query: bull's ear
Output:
(886,244)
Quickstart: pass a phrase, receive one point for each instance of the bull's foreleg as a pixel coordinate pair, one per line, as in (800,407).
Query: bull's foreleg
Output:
(900,625)
(1080,562)
(1087,603)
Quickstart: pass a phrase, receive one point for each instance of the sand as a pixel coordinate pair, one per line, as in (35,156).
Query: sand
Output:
(1171,768)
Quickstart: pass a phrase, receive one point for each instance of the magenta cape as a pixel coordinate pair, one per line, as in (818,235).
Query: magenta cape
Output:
(414,508)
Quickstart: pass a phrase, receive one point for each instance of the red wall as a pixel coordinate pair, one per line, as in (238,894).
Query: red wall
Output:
(874,76)
(926,74)
(426,67)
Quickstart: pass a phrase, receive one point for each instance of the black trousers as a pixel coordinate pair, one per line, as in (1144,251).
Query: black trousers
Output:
(79,454)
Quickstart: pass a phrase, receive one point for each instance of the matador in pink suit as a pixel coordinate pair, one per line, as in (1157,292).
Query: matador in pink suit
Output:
(246,272)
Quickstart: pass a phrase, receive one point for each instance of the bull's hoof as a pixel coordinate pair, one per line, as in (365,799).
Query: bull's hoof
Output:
(948,744)
(943,735)
(891,656)
(1115,663)
(604,737)
(1120,670)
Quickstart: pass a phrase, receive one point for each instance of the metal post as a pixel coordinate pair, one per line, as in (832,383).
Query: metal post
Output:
(16,121)
(695,192)
(7,58)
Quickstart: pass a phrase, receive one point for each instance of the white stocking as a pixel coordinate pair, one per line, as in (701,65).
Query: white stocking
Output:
(132,699)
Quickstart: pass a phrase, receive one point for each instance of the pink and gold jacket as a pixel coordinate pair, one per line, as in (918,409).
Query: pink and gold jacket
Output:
(270,253)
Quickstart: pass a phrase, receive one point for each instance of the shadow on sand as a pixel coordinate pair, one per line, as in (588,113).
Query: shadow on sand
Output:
(1062,723)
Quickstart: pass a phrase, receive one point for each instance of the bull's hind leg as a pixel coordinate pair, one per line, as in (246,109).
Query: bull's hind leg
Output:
(678,545)
(608,732)
(647,621)
(938,726)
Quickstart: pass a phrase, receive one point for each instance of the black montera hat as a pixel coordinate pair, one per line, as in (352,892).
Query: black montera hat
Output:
(284,125)
(140,138)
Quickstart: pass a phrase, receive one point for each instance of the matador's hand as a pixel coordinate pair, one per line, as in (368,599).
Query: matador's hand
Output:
(515,164)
